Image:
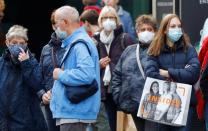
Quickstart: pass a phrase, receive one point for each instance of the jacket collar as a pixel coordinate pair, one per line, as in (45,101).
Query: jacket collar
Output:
(77,34)
(120,10)
(55,41)
(179,45)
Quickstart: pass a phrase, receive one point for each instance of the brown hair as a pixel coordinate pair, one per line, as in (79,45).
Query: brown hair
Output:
(2,5)
(90,16)
(146,19)
(52,17)
(160,38)
(89,2)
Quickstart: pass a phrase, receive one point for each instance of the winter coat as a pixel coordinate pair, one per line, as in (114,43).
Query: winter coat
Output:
(118,45)
(127,81)
(182,65)
(19,103)
(203,58)
(47,63)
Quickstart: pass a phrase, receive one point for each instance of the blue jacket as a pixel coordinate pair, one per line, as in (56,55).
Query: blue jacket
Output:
(127,22)
(79,69)
(183,66)
(127,81)
(19,104)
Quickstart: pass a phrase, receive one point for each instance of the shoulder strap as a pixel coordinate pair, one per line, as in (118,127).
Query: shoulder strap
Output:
(54,58)
(122,40)
(138,61)
(69,49)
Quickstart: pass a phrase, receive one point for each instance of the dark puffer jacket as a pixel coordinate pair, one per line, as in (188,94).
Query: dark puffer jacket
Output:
(182,65)
(19,103)
(120,42)
(127,82)
(47,63)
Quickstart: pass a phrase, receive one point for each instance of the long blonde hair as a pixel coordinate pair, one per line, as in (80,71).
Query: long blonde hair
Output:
(161,39)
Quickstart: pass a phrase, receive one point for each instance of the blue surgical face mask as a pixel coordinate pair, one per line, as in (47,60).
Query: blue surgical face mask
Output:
(174,34)
(15,49)
(60,34)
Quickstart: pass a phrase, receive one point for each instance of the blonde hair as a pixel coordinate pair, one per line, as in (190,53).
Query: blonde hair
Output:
(105,10)
(161,39)
(2,5)
(17,31)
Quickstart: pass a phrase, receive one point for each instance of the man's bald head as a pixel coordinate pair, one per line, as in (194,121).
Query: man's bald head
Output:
(68,13)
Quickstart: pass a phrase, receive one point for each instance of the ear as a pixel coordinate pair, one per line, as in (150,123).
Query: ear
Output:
(7,43)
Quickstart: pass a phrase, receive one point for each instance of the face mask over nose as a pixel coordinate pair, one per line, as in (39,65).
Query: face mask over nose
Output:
(15,50)
(174,34)
(61,34)
(146,37)
(109,25)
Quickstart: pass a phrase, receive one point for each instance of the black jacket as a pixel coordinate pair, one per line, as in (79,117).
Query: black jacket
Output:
(118,45)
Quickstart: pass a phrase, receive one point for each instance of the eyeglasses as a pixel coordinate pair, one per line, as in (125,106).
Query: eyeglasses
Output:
(108,17)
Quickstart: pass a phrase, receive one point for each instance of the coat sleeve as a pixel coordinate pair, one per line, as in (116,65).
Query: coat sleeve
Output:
(116,81)
(152,68)
(32,75)
(84,73)
(190,73)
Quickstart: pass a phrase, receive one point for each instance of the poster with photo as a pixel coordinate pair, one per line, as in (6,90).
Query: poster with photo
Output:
(165,102)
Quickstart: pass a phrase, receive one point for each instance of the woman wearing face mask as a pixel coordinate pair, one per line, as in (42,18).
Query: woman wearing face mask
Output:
(111,43)
(20,85)
(172,57)
(128,78)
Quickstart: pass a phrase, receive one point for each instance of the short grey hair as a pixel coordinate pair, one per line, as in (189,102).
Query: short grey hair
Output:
(17,31)
(69,13)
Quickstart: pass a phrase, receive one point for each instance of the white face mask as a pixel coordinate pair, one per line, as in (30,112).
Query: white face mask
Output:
(146,37)
(109,25)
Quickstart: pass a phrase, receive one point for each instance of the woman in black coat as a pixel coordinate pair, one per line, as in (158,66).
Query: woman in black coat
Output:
(19,85)
(111,43)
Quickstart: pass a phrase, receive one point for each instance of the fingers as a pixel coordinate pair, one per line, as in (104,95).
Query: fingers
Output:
(22,55)
(22,51)
(46,98)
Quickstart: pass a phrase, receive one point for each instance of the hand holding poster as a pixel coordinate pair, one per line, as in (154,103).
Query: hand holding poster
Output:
(165,102)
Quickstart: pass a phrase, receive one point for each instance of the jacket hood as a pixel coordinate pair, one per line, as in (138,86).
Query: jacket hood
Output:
(54,41)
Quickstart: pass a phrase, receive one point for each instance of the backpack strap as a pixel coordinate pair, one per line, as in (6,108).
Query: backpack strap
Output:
(139,62)
(71,46)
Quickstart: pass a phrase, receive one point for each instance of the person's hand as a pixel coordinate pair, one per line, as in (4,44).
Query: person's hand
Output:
(23,55)
(104,62)
(46,97)
(164,73)
(56,72)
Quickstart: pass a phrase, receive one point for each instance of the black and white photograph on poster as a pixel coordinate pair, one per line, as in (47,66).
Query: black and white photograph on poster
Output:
(165,102)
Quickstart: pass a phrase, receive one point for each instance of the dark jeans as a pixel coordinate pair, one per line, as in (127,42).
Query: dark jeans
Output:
(111,110)
(206,115)
(73,127)
(163,127)
(144,125)
(51,123)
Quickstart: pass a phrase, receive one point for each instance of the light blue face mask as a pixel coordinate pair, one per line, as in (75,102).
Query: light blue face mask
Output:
(174,34)
(61,34)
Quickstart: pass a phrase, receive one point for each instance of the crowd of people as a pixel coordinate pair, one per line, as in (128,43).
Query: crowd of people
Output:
(99,46)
